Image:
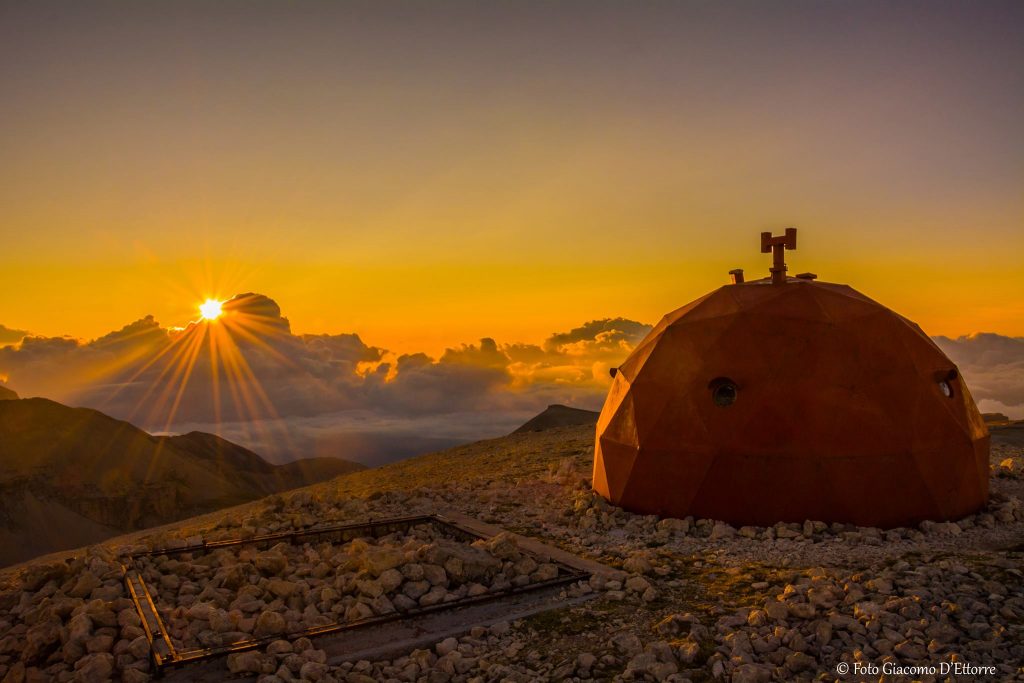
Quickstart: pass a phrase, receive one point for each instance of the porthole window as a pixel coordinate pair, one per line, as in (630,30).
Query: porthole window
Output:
(945,381)
(725,395)
(723,392)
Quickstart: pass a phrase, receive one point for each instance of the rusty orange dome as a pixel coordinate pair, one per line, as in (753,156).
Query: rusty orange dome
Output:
(788,399)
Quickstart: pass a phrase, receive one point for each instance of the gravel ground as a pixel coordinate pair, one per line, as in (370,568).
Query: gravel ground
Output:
(235,594)
(693,600)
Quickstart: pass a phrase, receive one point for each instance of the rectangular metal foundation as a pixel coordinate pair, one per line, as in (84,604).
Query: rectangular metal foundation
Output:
(165,655)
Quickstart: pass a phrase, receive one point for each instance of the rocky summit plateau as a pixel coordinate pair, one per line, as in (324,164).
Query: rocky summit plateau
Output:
(683,600)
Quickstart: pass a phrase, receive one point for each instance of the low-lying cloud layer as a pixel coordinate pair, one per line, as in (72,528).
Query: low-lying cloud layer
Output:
(371,437)
(993,367)
(249,378)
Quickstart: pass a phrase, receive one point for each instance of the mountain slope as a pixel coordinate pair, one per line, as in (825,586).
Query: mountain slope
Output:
(230,460)
(557,415)
(70,476)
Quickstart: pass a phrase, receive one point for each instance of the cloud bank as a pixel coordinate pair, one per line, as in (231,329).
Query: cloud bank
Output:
(993,367)
(250,379)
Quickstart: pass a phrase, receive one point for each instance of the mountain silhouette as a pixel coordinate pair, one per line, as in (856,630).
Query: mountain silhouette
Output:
(557,415)
(73,476)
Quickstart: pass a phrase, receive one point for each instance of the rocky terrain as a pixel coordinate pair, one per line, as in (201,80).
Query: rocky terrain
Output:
(72,476)
(236,593)
(691,599)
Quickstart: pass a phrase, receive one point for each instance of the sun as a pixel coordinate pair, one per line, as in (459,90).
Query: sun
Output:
(210,309)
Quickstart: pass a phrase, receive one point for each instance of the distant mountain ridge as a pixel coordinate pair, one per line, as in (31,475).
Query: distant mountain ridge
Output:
(558,415)
(73,476)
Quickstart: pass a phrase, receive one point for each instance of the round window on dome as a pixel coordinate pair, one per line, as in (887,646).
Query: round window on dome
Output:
(723,391)
(945,381)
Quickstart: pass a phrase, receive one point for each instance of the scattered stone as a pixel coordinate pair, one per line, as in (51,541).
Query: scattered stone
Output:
(269,624)
(96,668)
(84,585)
(447,645)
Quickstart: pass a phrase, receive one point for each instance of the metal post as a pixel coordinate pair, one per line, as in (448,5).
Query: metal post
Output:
(777,245)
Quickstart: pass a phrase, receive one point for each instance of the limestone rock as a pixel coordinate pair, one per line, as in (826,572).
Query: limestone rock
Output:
(97,668)
(269,624)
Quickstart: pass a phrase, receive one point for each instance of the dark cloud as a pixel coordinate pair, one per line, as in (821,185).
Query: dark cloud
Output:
(11,336)
(993,367)
(608,334)
(577,360)
(487,354)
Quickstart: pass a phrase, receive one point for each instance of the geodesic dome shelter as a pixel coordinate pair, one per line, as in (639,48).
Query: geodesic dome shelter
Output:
(787,399)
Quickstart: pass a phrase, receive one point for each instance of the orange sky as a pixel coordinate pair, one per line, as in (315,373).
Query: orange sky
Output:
(429,177)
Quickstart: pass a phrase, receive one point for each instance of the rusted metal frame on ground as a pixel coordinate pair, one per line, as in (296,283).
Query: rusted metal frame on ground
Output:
(392,524)
(200,654)
(152,624)
(174,657)
(467,532)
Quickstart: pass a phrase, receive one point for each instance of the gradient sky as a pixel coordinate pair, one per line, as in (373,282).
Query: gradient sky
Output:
(429,173)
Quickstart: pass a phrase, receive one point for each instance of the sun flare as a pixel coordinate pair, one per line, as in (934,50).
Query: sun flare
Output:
(210,309)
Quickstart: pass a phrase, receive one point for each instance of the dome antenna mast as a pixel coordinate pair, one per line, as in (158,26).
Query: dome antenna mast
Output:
(776,245)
